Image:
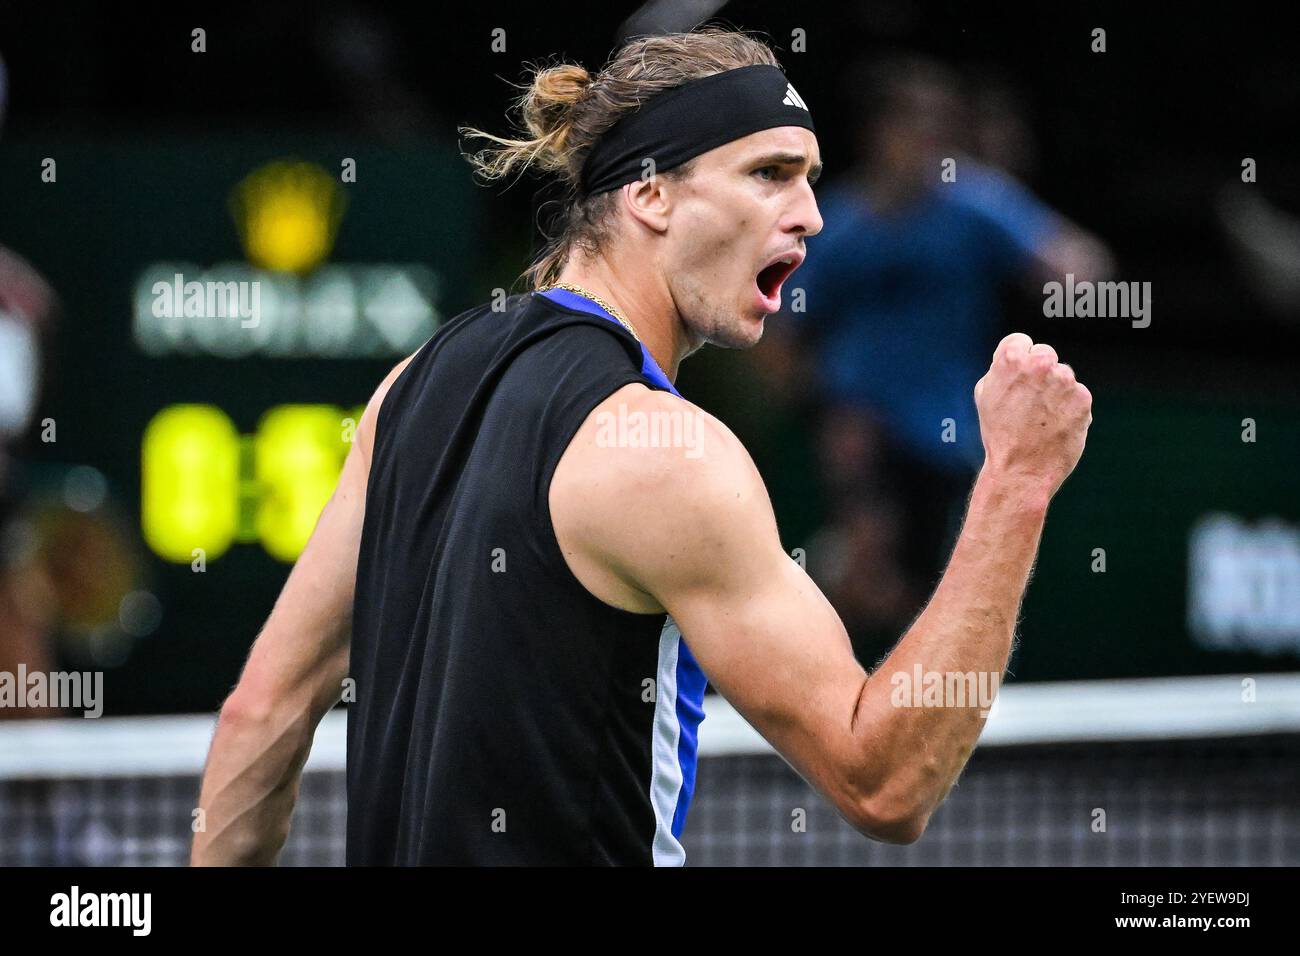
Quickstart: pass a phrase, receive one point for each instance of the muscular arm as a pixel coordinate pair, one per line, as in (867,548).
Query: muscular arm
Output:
(293,676)
(701,543)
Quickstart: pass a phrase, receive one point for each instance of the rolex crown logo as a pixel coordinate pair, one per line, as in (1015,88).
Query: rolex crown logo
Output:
(288,214)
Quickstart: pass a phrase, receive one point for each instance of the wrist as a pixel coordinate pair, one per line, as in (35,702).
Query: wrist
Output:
(1025,493)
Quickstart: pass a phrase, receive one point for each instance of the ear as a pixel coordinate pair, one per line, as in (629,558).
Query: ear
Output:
(649,201)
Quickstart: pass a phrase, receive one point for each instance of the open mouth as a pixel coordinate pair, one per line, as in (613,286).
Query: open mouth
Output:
(771,277)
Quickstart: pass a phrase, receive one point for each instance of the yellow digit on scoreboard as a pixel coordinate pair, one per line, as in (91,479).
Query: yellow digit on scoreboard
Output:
(299,451)
(195,478)
(189,482)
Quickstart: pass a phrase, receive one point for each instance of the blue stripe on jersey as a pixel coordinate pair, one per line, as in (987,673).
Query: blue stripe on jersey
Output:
(690,711)
(690,678)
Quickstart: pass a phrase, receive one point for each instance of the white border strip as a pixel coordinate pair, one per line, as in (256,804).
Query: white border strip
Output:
(665,765)
(1150,709)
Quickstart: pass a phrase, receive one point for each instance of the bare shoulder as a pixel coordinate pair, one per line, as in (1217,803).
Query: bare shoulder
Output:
(365,434)
(652,488)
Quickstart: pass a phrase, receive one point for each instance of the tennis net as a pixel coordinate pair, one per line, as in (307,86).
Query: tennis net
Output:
(1147,772)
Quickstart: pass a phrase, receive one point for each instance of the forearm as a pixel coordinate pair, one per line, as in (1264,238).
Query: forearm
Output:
(251,782)
(962,639)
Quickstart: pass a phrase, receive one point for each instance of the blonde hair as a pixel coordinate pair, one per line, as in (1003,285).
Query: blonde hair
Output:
(564,112)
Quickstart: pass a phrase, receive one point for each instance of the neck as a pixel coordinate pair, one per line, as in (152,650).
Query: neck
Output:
(648,308)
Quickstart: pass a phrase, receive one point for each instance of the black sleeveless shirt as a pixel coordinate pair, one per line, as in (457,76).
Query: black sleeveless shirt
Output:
(503,714)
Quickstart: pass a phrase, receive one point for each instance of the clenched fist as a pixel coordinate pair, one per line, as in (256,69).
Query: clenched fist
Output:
(1034,415)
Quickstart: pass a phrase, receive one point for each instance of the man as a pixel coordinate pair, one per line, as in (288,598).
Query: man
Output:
(507,578)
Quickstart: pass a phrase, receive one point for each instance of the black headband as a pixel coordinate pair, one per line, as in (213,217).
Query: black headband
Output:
(680,124)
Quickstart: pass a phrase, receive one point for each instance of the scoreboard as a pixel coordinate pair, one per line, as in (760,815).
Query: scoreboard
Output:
(229,304)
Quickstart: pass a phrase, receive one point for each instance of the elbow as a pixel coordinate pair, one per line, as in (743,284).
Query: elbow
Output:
(904,830)
(251,715)
(245,708)
(887,821)
(885,792)
(280,727)
(885,807)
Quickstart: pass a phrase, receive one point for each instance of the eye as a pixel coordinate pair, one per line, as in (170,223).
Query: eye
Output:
(771,172)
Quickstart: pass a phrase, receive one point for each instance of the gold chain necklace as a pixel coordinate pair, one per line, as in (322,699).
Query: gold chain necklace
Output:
(579,290)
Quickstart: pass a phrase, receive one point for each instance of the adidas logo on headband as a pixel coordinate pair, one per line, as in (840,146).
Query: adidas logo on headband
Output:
(792,98)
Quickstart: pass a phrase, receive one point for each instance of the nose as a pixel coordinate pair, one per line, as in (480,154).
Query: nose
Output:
(806,218)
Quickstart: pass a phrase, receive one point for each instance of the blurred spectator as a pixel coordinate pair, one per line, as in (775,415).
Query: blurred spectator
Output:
(26,304)
(903,307)
(1265,240)
(363,51)
(27,307)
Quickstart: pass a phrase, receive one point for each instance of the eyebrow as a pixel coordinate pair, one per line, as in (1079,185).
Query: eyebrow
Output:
(789,159)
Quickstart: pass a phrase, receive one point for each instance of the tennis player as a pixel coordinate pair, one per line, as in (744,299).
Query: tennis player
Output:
(520,588)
